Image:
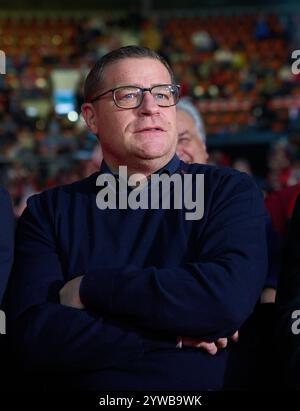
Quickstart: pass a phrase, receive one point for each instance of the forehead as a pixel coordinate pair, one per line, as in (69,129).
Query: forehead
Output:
(144,72)
(184,119)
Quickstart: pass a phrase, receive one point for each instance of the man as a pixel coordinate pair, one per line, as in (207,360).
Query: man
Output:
(123,298)
(6,239)
(191,145)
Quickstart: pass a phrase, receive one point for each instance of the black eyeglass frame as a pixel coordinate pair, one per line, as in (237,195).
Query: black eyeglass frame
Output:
(142,89)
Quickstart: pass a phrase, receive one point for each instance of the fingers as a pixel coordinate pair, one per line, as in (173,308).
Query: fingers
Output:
(69,294)
(235,337)
(179,342)
(209,347)
(222,343)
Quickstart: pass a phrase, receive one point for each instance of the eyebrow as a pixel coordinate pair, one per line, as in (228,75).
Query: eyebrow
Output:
(138,85)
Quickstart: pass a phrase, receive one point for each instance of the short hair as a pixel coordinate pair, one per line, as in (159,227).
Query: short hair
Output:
(186,105)
(93,81)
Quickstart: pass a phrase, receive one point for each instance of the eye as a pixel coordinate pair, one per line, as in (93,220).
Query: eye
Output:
(128,96)
(162,96)
(183,139)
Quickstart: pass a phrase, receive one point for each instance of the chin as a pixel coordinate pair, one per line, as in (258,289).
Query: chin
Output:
(154,152)
(151,156)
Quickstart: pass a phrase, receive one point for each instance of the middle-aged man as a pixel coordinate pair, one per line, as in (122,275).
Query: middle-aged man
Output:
(191,144)
(125,298)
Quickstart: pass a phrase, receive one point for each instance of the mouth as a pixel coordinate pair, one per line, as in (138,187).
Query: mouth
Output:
(150,130)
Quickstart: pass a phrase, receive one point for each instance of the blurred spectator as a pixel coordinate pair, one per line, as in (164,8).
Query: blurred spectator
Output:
(262,30)
(280,205)
(202,41)
(151,36)
(191,146)
(219,159)
(243,165)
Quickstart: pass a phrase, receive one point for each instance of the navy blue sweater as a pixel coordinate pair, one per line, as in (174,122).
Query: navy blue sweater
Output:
(149,276)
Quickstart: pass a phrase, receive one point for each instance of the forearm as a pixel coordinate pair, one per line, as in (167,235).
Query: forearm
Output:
(198,300)
(207,297)
(52,336)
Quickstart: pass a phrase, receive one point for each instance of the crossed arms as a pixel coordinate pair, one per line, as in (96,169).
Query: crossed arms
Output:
(127,308)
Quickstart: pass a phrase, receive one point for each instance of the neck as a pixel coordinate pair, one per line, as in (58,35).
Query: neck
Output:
(141,169)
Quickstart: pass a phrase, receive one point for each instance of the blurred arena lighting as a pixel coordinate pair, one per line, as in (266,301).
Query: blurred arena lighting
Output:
(64,83)
(198,91)
(41,82)
(31,111)
(64,101)
(213,91)
(73,116)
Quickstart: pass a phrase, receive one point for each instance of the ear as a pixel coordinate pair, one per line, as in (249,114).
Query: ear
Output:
(90,117)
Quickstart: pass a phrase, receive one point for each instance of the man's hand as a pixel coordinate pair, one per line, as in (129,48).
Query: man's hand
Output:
(210,347)
(268,296)
(69,294)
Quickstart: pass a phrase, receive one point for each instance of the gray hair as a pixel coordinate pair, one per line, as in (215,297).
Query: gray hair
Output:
(94,79)
(186,105)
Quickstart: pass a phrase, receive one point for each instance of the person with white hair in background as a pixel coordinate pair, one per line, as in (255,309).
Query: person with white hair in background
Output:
(191,145)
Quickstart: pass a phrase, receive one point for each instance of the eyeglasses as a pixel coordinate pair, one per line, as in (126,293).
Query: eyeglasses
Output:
(165,95)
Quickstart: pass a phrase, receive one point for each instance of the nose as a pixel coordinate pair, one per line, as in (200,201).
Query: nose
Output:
(148,106)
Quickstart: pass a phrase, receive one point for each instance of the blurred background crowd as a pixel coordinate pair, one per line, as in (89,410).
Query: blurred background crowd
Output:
(236,64)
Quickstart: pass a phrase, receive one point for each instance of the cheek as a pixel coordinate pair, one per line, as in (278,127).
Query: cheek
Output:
(179,148)
(169,115)
(181,145)
(112,127)
(198,147)
(187,146)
